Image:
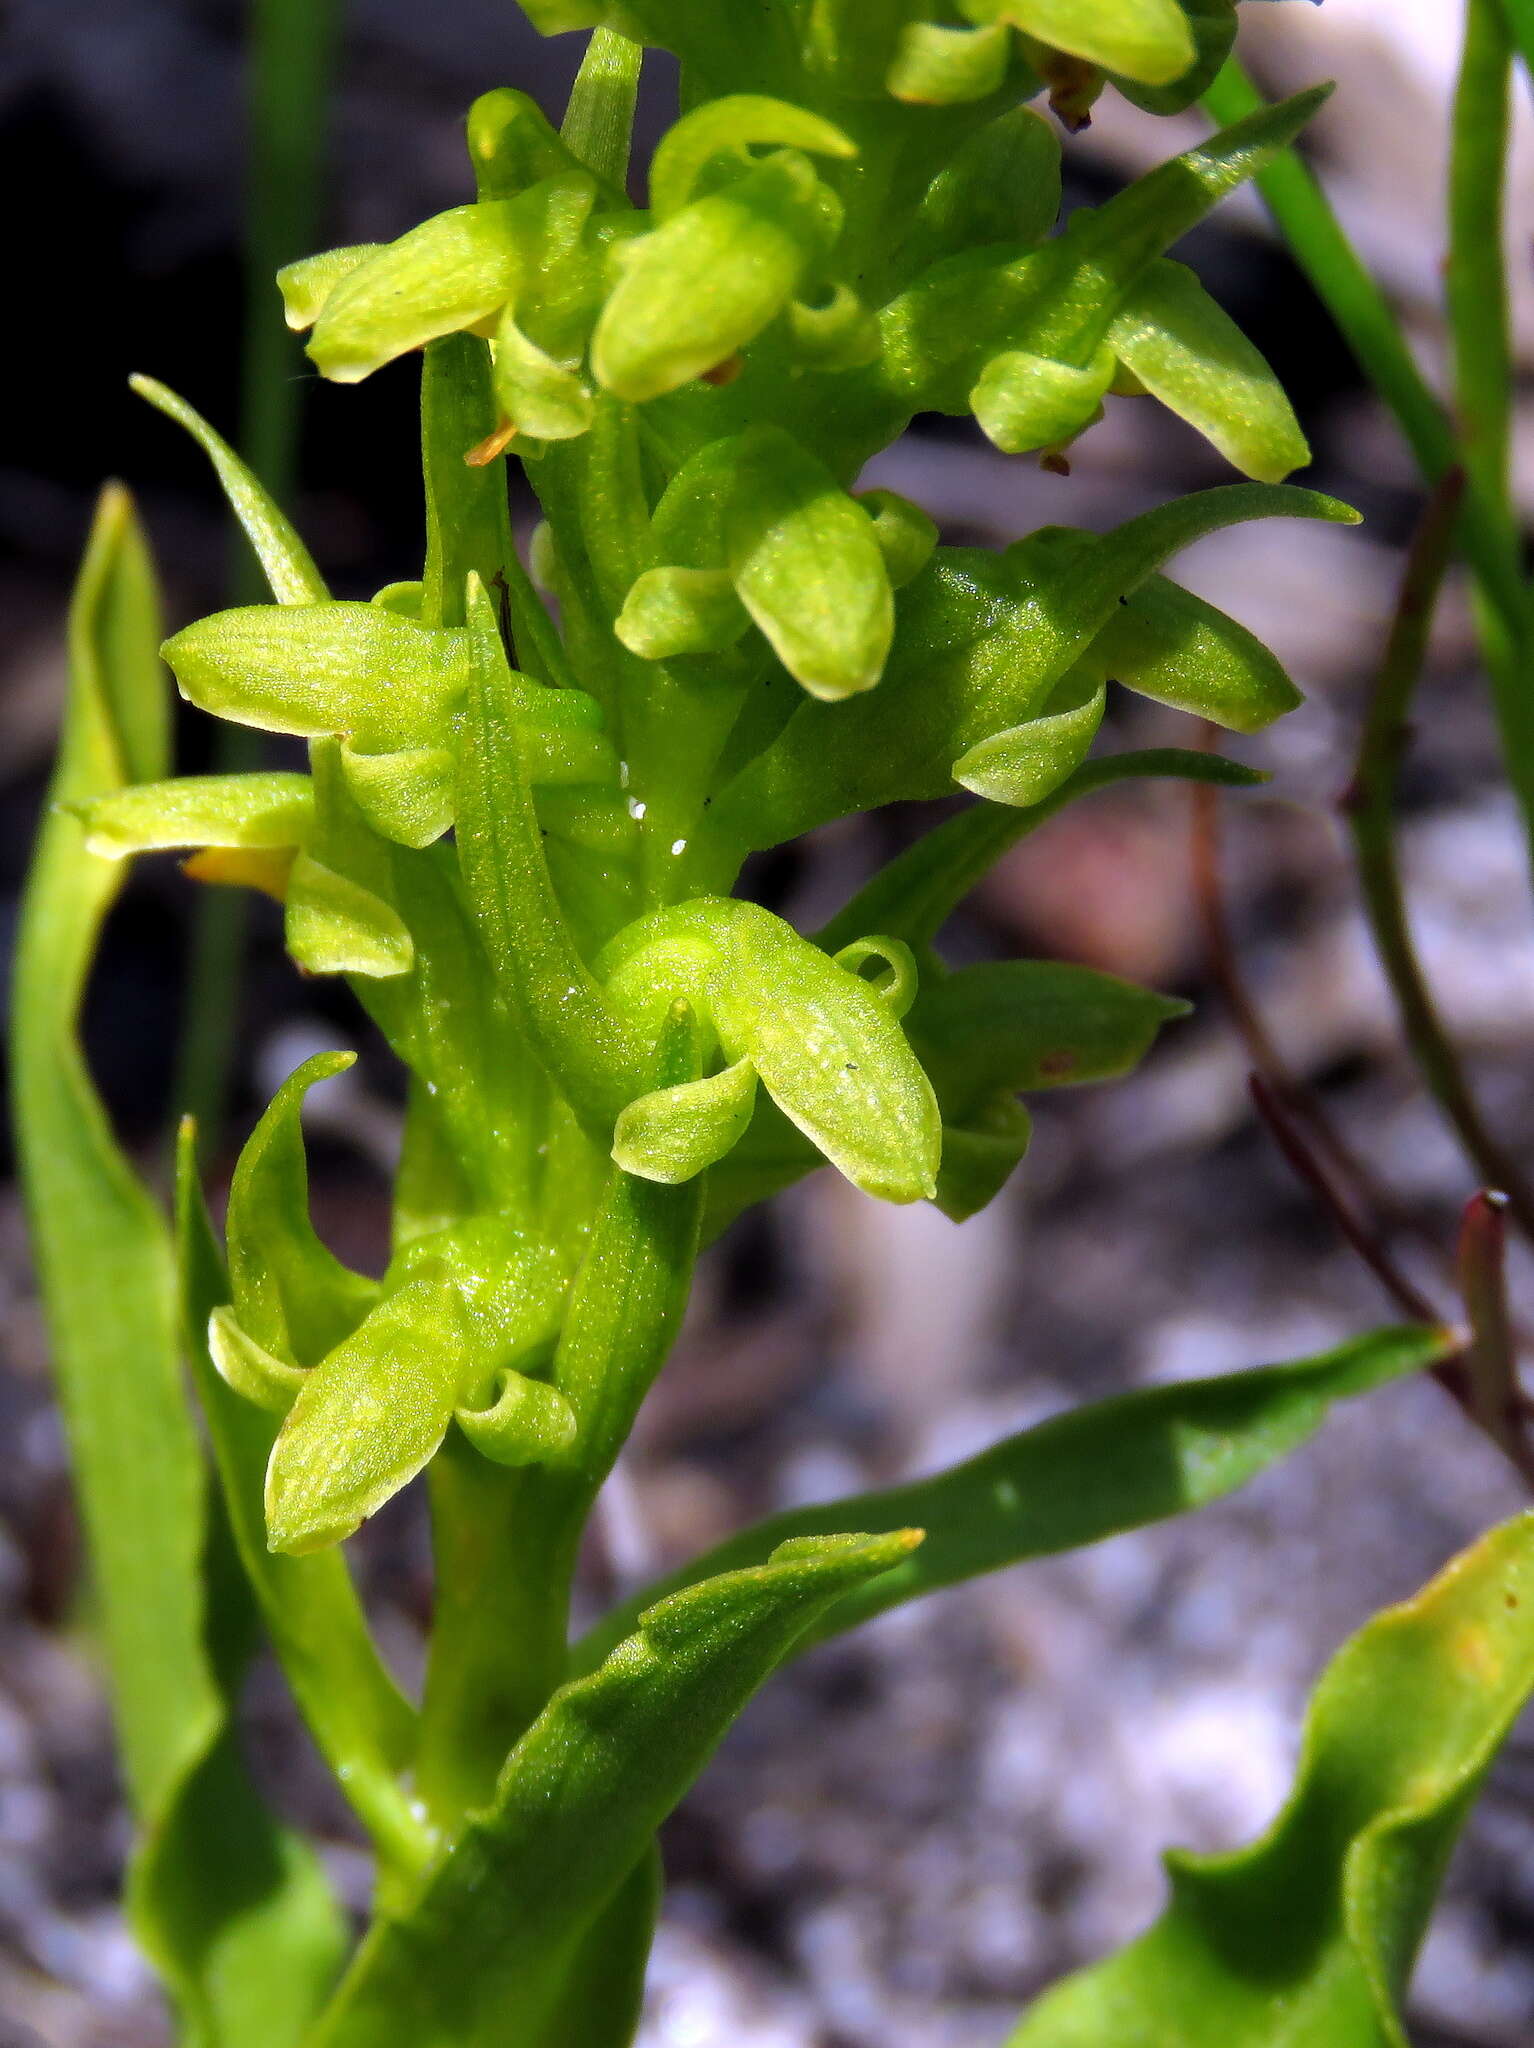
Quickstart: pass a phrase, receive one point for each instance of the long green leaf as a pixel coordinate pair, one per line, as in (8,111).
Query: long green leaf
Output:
(1307,1938)
(233,1912)
(484,1953)
(1082,1476)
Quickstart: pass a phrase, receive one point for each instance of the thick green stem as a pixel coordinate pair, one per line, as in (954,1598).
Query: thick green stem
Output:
(499,1626)
(506,1542)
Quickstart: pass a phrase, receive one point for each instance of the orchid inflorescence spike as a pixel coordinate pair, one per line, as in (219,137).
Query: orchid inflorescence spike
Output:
(520,838)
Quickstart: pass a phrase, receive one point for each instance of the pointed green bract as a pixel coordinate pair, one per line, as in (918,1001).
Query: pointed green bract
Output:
(601,2000)
(499,1922)
(511,893)
(291,1294)
(1078,1478)
(598,126)
(1036,1024)
(914,895)
(286,562)
(1309,1936)
(986,1033)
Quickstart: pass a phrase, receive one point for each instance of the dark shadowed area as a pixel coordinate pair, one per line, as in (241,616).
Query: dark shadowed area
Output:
(917,1827)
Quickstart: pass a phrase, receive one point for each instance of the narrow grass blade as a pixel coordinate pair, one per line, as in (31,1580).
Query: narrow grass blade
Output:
(1321,248)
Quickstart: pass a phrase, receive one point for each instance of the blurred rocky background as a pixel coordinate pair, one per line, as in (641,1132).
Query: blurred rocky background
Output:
(914,1830)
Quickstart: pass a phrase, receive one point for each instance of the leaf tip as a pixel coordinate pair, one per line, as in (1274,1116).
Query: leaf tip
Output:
(299,1519)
